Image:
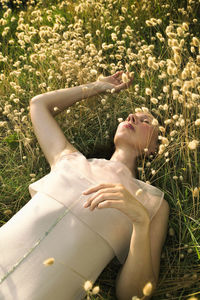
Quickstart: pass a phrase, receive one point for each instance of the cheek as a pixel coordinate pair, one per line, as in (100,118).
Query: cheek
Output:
(145,132)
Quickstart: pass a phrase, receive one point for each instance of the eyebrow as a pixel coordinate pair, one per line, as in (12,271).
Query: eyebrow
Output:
(147,116)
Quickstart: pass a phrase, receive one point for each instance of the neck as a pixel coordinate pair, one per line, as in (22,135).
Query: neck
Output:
(127,158)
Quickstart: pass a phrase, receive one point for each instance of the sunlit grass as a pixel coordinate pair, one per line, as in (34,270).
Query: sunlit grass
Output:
(67,43)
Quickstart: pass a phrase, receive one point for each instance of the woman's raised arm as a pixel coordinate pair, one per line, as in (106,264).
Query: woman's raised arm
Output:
(42,110)
(44,107)
(63,98)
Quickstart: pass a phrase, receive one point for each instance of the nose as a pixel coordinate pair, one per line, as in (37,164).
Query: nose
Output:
(132,118)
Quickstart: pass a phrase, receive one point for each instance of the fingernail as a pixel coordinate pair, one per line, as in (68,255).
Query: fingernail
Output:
(85,204)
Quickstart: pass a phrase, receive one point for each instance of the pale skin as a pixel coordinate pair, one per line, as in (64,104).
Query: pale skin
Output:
(143,261)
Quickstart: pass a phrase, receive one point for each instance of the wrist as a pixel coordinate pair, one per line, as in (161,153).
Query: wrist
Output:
(90,89)
(103,86)
(144,225)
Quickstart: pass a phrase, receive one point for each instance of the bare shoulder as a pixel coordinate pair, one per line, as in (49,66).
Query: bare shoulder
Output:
(67,151)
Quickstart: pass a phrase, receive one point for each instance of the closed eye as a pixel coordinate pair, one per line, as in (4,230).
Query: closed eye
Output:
(145,121)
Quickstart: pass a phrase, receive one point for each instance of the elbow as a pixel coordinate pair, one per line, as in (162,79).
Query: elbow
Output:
(39,100)
(35,99)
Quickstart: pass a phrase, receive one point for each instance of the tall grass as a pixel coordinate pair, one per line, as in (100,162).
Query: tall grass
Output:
(61,44)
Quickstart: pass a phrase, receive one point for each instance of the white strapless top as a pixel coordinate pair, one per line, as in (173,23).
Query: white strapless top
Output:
(73,173)
(55,224)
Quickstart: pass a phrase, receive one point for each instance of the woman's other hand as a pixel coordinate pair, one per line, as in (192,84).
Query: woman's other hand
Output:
(117,196)
(116,82)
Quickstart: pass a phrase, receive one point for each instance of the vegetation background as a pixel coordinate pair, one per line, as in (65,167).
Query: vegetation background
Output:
(47,45)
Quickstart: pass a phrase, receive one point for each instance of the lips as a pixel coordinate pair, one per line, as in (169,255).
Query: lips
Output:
(129,126)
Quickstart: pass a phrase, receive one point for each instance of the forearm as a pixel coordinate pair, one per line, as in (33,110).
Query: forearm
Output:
(58,100)
(137,269)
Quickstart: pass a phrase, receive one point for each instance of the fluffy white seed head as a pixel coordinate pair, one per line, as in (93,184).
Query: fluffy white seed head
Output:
(166,89)
(148,91)
(195,41)
(161,128)
(145,109)
(138,192)
(125,78)
(169,71)
(154,122)
(88,285)
(49,261)
(177,59)
(154,100)
(193,144)
(150,61)
(197,122)
(165,141)
(120,120)
(173,132)
(168,121)
(93,72)
(180,31)
(103,101)
(185,26)
(161,149)
(195,192)
(171,231)
(95,290)
(147,290)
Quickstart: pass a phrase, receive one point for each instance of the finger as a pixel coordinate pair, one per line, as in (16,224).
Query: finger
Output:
(111,204)
(96,188)
(100,193)
(118,73)
(121,86)
(103,197)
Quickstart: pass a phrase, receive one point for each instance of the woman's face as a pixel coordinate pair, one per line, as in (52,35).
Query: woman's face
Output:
(141,135)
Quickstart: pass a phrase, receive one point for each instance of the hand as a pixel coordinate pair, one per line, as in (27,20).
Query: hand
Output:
(117,196)
(115,82)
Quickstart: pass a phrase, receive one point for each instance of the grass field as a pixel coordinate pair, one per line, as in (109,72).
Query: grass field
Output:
(47,45)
